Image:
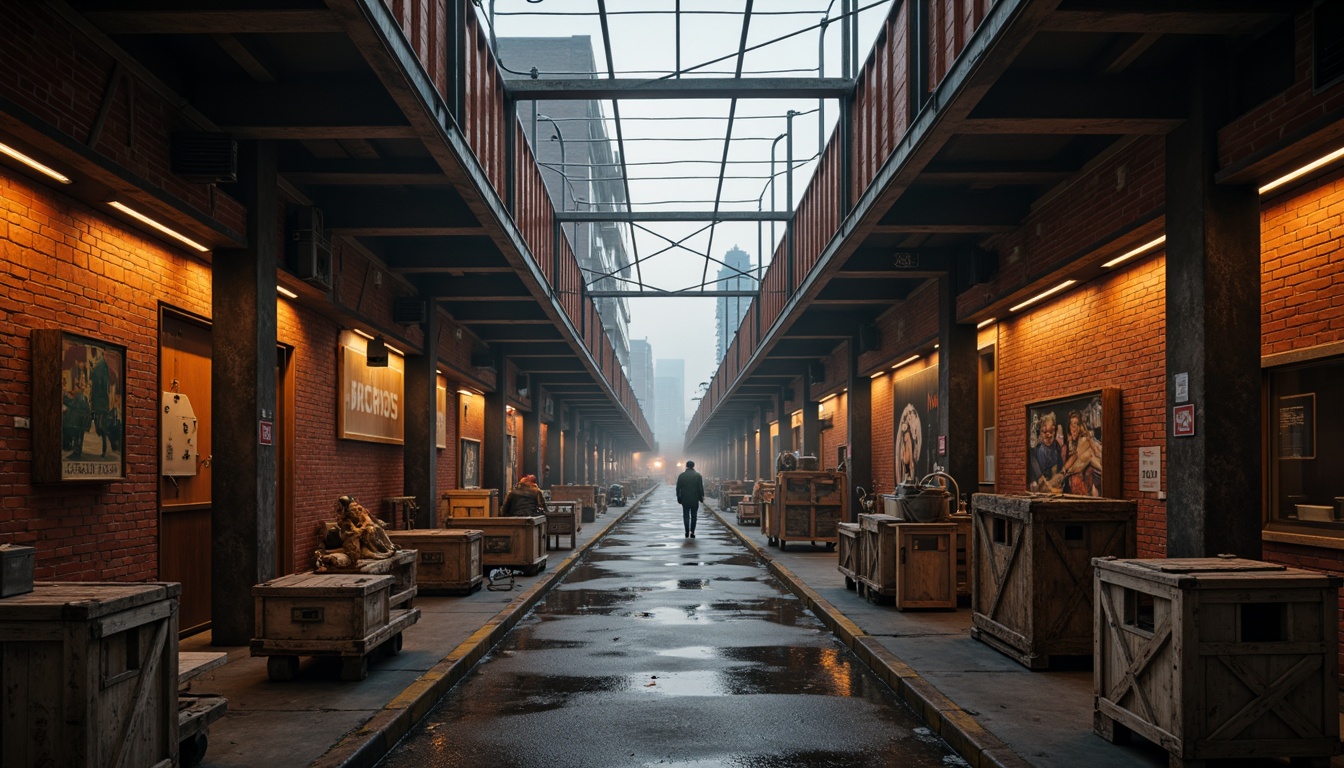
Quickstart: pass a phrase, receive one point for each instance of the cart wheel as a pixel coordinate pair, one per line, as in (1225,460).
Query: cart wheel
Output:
(282,668)
(783,545)
(191,752)
(830,546)
(850,584)
(354,668)
(394,645)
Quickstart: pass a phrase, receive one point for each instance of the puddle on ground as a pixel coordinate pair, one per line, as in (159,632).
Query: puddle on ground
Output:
(588,601)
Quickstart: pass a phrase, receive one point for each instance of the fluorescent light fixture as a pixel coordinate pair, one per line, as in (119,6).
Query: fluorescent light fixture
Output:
(1303,171)
(986,321)
(1148,246)
(906,361)
(391,348)
(45,170)
(362,333)
(143,219)
(1043,295)
(878,375)
(465,392)
(828,397)
(283,291)
(935,346)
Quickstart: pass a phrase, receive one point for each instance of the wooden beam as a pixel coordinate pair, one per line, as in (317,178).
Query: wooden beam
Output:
(1173,17)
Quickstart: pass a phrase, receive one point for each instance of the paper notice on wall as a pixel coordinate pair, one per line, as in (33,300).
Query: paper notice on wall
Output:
(1150,469)
(177,449)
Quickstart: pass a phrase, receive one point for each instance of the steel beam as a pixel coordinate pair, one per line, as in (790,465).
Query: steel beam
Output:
(686,88)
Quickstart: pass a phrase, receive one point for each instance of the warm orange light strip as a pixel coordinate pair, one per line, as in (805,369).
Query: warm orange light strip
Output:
(1148,246)
(143,219)
(906,361)
(45,170)
(1043,295)
(288,294)
(1303,171)
(983,323)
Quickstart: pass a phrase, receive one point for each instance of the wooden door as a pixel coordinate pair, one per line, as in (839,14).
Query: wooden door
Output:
(185,499)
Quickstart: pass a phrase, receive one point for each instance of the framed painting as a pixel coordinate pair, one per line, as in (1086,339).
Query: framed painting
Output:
(79,408)
(915,400)
(1073,445)
(470,472)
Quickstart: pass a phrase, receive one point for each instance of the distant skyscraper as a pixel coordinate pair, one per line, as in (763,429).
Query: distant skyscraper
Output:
(731,309)
(670,405)
(641,377)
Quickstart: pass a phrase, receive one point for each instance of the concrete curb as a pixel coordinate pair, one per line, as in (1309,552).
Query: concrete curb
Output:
(366,745)
(955,725)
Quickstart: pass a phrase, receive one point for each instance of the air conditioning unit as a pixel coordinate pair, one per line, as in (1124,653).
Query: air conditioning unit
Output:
(204,157)
(310,251)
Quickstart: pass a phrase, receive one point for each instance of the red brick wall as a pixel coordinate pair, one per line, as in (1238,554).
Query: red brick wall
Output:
(60,75)
(1285,115)
(65,266)
(1302,272)
(1110,332)
(883,435)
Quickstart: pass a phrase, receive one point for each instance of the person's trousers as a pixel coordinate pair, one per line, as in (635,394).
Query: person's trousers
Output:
(688,516)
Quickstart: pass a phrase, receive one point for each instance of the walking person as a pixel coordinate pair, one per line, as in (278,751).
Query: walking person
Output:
(690,492)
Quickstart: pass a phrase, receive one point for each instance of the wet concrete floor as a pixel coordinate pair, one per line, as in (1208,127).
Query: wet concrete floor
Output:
(663,650)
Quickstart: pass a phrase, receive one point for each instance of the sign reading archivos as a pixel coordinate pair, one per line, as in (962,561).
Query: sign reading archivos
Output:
(371,398)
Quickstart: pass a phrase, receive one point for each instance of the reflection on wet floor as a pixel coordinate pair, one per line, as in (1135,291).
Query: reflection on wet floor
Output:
(621,665)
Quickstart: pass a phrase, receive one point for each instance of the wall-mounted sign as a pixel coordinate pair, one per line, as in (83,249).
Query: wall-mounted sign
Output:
(1183,420)
(265,432)
(370,406)
(1150,468)
(1182,387)
(179,439)
(905,260)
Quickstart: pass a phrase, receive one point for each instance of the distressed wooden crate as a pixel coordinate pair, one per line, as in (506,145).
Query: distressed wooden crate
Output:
(807,507)
(509,542)
(847,550)
(926,566)
(326,614)
(964,541)
(1031,575)
(585,495)
(562,519)
(89,676)
(469,502)
(748,512)
(876,575)
(1217,658)
(401,566)
(448,561)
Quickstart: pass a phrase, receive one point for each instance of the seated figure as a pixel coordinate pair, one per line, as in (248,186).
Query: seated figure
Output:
(362,538)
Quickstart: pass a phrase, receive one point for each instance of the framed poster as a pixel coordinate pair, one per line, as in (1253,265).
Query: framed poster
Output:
(1297,426)
(1073,445)
(79,416)
(440,416)
(915,402)
(469,475)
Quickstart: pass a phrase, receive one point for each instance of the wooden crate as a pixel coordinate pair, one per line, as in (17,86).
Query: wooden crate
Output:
(88,676)
(964,541)
(1031,575)
(1217,658)
(847,549)
(448,561)
(470,502)
(585,495)
(326,614)
(562,519)
(807,507)
(877,556)
(926,566)
(401,566)
(509,542)
(748,513)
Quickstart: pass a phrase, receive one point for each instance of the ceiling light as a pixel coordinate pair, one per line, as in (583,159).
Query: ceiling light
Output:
(465,392)
(1131,254)
(362,333)
(935,346)
(1040,296)
(983,323)
(283,291)
(1303,171)
(142,218)
(906,361)
(45,170)
(878,375)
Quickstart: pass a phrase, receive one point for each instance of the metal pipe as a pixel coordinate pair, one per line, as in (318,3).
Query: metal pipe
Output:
(821,72)
(788,152)
(564,170)
(773,144)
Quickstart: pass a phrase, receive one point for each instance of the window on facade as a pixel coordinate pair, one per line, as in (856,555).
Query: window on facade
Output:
(1305,423)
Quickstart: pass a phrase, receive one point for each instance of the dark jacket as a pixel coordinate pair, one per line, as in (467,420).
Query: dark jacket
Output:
(523,501)
(690,489)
